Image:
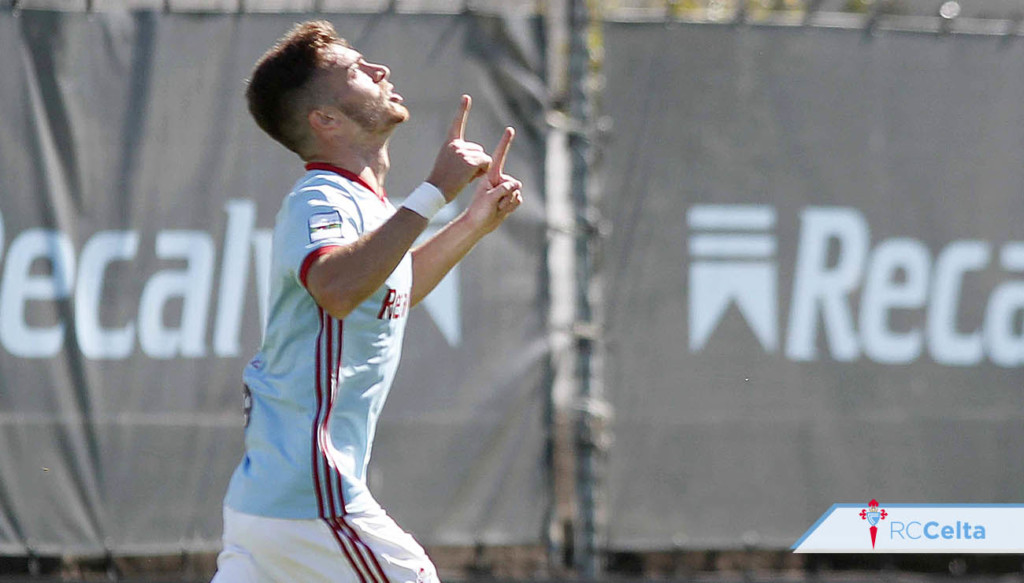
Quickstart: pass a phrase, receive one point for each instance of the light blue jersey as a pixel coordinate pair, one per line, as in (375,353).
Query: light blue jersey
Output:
(318,384)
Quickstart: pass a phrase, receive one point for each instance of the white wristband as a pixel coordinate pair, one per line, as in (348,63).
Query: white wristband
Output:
(425,201)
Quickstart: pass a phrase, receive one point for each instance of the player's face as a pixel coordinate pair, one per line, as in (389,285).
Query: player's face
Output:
(364,93)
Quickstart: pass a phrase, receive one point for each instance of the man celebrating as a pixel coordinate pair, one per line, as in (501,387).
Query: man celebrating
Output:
(343,277)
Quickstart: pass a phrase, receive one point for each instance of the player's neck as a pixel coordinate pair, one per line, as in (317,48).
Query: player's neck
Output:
(369,161)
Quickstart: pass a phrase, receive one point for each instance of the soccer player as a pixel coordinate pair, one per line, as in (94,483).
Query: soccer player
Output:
(343,277)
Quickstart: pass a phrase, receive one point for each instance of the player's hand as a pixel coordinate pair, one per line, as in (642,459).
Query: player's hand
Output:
(498,196)
(459,162)
(495,173)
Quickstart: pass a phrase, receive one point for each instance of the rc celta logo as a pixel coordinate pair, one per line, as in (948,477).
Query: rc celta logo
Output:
(916,528)
(873,514)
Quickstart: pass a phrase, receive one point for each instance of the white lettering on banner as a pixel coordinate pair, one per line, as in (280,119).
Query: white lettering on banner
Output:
(817,286)
(233,276)
(1005,346)
(733,254)
(192,285)
(443,303)
(884,293)
(834,263)
(19,286)
(262,244)
(100,251)
(947,345)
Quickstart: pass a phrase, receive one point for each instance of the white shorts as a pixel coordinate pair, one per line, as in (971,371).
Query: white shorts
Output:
(359,548)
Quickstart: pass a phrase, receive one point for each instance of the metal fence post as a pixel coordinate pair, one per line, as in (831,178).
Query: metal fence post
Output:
(584,56)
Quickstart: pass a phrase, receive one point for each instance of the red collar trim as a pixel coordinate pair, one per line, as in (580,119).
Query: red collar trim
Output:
(345,174)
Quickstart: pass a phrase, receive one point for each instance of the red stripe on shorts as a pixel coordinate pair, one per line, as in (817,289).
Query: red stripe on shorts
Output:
(364,548)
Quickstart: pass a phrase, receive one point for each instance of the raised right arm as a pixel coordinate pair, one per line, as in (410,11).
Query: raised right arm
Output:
(344,276)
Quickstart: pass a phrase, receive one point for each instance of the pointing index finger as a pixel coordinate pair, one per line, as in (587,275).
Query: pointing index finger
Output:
(498,158)
(458,129)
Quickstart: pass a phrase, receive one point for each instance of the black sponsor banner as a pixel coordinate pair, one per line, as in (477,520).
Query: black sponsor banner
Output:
(136,202)
(814,293)
(816,277)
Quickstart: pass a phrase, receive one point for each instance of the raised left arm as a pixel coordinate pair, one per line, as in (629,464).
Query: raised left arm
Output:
(494,200)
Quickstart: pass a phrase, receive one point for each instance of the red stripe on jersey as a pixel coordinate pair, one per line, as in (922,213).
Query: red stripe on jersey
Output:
(308,261)
(327,475)
(382,195)
(330,467)
(316,446)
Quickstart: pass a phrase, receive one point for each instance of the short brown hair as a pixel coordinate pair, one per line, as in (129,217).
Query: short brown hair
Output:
(275,93)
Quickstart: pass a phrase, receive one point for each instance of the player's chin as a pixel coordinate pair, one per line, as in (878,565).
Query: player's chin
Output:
(399,112)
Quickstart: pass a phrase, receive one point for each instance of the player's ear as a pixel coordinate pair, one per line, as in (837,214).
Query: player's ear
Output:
(322,119)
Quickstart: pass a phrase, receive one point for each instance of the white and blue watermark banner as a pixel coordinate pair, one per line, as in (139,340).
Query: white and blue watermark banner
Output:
(916,528)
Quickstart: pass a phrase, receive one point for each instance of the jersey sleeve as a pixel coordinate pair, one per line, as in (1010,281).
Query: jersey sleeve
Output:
(315,220)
